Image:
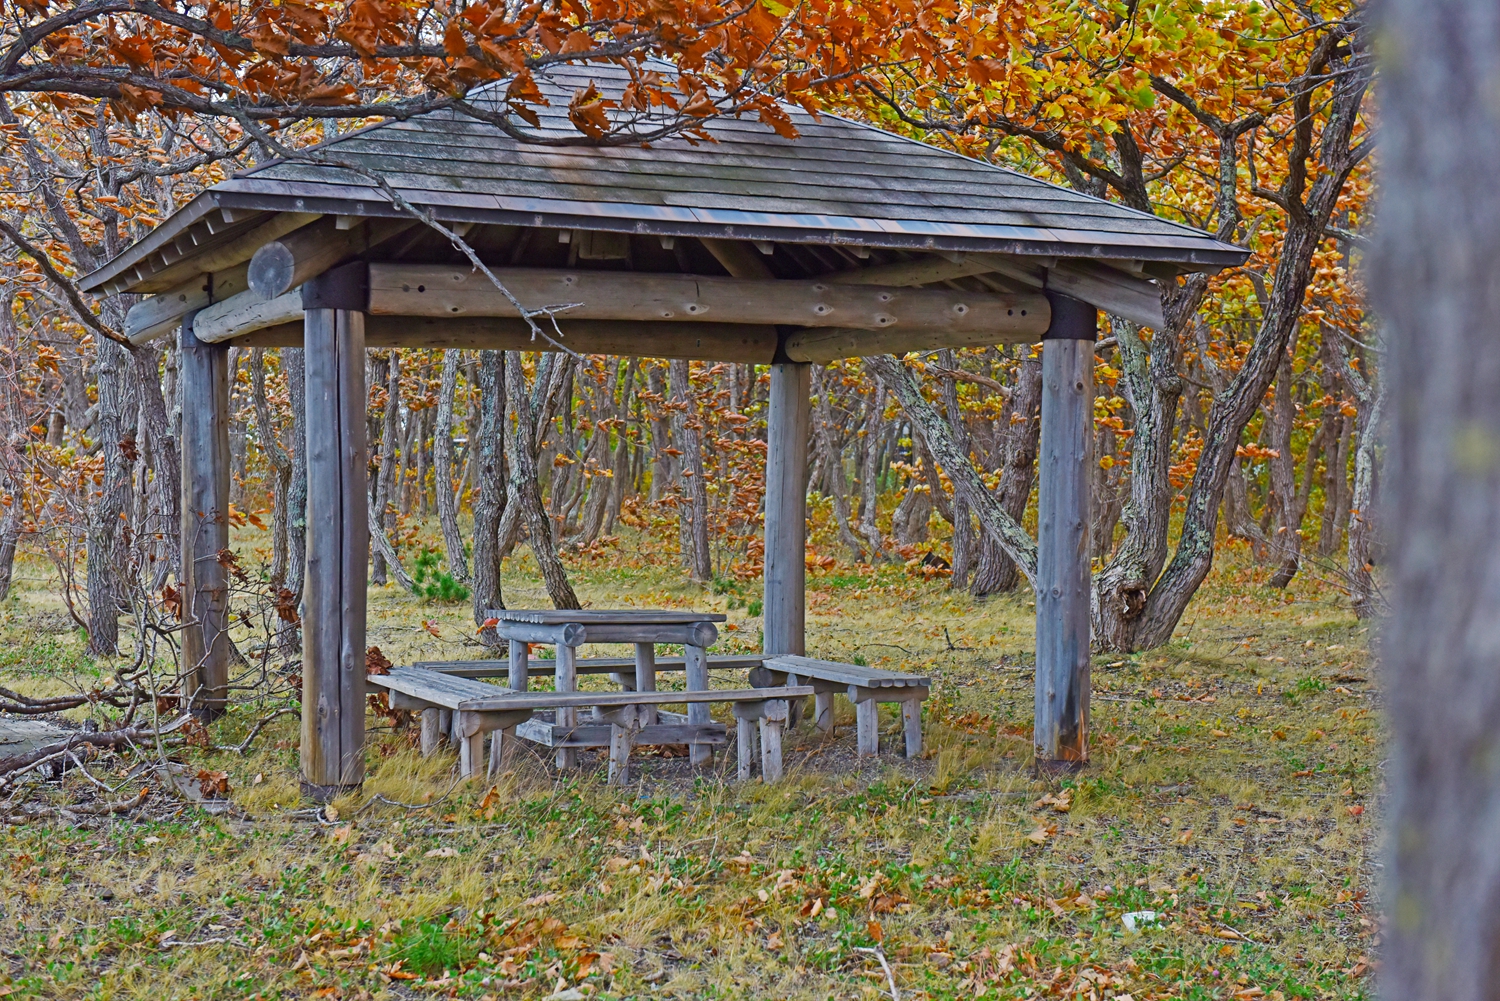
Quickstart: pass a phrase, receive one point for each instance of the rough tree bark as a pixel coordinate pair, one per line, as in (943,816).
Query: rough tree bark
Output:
(442,467)
(281,466)
(520,449)
(489,498)
(293,362)
(698,555)
(963,545)
(1021,434)
(831,452)
(869,474)
(1436,279)
(994,520)
(385,481)
(104,580)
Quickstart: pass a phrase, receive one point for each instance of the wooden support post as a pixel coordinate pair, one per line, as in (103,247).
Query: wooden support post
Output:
(911,723)
(205,524)
(1063,528)
(823,712)
(470,744)
(867,728)
(567,681)
(621,740)
(338,542)
(745,735)
(772,720)
(645,677)
(519,655)
(502,748)
(432,730)
(787,429)
(695,664)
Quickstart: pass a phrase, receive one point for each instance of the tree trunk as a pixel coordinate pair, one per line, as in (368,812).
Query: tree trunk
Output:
(293,362)
(520,452)
(385,370)
(833,464)
(1436,279)
(281,467)
(489,498)
(689,424)
(442,468)
(165,526)
(938,436)
(1021,436)
(105,583)
(909,521)
(964,555)
(869,474)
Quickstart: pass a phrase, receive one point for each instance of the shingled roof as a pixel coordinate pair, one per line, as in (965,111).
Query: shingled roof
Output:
(840,182)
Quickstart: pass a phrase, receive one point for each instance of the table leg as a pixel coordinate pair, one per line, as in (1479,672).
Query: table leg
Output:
(745,732)
(696,662)
(518,665)
(645,676)
(567,681)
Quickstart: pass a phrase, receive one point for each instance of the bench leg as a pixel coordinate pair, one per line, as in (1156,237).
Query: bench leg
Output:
(770,749)
(445,726)
(911,722)
(620,740)
(745,735)
(567,681)
(823,711)
(867,715)
(470,746)
(502,749)
(432,730)
(695,660)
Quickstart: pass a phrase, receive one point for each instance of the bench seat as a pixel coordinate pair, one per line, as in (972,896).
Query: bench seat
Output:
(866,687)
(478,708)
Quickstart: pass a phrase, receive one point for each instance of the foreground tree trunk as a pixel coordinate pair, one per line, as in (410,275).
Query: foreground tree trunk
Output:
(105,579)
(1437,279)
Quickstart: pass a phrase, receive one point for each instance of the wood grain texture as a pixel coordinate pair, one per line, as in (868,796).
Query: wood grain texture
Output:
(788,425)
(204,583)
(437,291)
(1063,587)
(333,673)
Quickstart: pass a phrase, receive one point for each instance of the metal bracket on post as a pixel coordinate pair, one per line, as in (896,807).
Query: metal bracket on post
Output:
(1072,319)
(344,287)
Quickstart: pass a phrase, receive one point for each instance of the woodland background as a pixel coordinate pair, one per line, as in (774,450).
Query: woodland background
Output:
(1235,755)
(1253,414)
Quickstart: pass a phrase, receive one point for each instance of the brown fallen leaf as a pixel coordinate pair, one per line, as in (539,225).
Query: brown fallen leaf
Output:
(1042,833)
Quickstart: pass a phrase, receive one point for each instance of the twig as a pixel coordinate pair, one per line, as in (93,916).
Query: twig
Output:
(244,745)
(890,977)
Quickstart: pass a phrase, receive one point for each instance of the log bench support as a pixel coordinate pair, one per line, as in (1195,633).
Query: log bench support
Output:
(864,686)
(1063,588)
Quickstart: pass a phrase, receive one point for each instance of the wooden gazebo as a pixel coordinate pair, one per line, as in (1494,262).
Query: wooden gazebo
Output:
(848,241)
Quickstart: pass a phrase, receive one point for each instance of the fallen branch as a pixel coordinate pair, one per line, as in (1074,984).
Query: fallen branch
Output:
(244,745)
(890,977)
(110,807)
(18,763)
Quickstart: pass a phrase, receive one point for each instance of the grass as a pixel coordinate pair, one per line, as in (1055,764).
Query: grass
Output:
(1232,791)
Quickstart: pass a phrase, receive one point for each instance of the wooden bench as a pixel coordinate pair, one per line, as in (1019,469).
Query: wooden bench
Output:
(479,708)
(866,687)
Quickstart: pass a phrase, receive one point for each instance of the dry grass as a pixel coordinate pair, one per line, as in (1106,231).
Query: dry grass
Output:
(1232,791)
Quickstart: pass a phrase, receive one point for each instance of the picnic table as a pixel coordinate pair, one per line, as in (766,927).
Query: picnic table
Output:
(566,630)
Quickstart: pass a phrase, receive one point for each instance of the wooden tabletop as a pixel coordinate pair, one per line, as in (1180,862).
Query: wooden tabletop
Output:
(602,617)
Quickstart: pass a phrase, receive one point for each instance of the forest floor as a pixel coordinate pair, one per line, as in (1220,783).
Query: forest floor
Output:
(1232,792)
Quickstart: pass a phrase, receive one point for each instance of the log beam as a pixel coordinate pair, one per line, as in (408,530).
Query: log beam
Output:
(281,265)
(440,291)
(161,314)
(236,251)
(1063,587)
(203,579)
(333,665)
